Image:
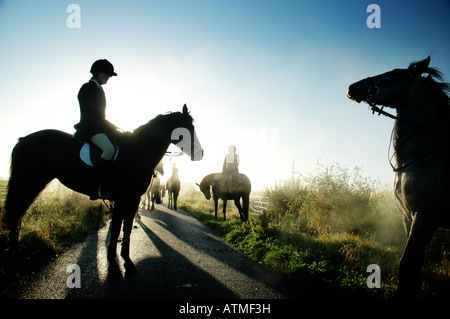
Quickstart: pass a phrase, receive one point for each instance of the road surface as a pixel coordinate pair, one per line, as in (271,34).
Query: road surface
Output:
(176,256)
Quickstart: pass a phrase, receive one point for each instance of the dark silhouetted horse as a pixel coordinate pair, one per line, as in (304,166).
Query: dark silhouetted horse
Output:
(173,190)
(421,141)
(146,199)
(42,156)
(156,191)
(229,187)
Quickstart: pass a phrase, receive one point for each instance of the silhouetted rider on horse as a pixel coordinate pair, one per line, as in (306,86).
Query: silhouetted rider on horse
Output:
(231,162)
(93,125)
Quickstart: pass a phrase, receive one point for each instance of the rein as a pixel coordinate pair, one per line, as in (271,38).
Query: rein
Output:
(374,109)
(372,93)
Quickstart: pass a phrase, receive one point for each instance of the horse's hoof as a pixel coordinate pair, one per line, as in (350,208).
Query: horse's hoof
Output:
(130,267)
(114,271)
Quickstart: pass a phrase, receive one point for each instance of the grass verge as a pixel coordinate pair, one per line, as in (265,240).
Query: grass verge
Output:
(56,221)
(333,265)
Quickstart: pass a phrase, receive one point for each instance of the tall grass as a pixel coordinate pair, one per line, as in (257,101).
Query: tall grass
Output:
(325,228)
(336,200)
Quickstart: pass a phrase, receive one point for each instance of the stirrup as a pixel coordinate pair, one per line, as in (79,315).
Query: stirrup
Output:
(105,194)
(99,194)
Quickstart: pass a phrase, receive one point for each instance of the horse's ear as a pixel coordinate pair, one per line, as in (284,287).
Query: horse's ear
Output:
(420,67)
(185,109)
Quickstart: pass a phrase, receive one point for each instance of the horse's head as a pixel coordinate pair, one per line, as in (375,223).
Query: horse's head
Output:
(388,89)
(205,189)
(159,168)
(175,128)
(185,138)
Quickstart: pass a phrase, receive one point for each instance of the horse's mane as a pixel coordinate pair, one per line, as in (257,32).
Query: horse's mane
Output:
(435,81)
(208,180)
(161,121)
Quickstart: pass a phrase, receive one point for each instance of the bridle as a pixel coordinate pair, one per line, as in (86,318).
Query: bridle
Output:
(373,92)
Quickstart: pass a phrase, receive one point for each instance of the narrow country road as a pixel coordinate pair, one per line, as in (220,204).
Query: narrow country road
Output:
(176,256)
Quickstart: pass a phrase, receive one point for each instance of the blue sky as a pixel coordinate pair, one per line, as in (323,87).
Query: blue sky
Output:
(267,76)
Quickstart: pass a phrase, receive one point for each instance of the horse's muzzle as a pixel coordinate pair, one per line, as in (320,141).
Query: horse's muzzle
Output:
(354,94)
(197,152)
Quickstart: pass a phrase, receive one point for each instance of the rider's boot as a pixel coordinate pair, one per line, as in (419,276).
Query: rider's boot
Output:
(103,191)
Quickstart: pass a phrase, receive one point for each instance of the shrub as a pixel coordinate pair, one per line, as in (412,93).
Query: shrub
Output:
(334,201)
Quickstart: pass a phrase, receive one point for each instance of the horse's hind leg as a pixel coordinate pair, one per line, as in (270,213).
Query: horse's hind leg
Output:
(242,215)
(131,209)
(116,223)
(175,199)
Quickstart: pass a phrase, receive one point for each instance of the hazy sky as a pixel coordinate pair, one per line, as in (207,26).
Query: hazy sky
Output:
(269,77)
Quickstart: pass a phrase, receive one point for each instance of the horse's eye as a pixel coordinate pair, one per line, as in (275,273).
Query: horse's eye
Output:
(373,90)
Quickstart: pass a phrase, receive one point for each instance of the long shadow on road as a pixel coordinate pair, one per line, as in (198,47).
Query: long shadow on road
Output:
(177,257)
(168,275)
(202,239)
(174,276)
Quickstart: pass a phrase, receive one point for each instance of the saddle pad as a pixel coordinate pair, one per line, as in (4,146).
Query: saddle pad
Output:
(85,154)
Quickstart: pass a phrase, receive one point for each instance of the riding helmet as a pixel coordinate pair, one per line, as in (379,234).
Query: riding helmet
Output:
(103,66)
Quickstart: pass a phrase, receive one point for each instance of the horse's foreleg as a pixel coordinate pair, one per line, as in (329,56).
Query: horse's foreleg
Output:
(422,229)
(407,225)
(216,203)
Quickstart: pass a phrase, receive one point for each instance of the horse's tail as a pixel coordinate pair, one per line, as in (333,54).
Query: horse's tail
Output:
(27,178)
(9,221)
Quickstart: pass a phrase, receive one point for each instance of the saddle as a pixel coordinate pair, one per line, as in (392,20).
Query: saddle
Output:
(227,180)
(90,153)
